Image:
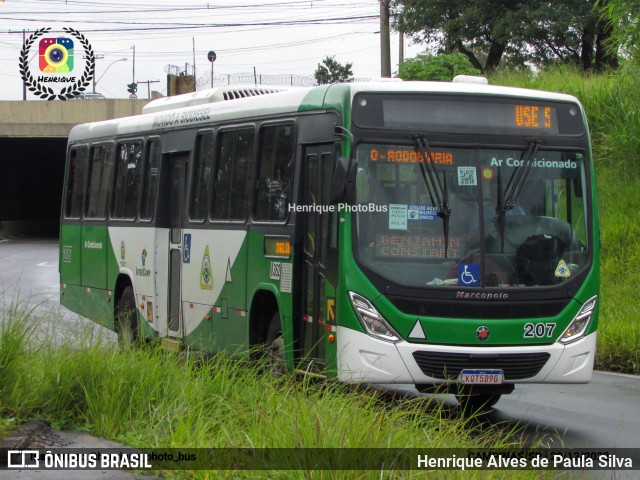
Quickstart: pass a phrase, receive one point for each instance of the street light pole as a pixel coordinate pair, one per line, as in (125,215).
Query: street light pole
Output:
(95,82)
(97,56)
(133,77)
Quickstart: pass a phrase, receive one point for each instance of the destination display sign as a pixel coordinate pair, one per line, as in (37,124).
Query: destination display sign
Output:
(407,155)
(417,246)
(466,114)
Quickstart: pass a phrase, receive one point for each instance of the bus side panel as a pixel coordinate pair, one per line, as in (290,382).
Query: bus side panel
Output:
(157,317)
(132,255)
(214,290)
(277,272)
(71,291)
(235,328)
(70,255)
(95,243)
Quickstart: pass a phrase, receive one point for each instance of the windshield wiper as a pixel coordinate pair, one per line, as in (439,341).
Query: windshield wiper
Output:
(437,190)
(507,197)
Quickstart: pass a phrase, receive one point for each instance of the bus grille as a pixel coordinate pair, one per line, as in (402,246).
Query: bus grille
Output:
(515,366)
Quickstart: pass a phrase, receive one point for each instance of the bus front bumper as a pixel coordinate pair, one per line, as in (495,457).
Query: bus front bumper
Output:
(362,358)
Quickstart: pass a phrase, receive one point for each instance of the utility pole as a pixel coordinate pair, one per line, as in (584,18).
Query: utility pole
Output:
(133,77)
(97,56)
(148,82)
(385,40)
(194,57)
(401,49)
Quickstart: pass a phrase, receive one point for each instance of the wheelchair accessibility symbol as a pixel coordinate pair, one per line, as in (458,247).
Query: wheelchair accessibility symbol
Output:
(469,274)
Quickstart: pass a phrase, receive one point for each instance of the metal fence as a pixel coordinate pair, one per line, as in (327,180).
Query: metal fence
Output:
(293,80)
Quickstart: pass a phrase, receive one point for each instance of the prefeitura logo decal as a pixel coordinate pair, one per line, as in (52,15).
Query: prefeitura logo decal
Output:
(56,75)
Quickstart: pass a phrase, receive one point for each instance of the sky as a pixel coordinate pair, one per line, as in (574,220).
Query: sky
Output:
(276,37)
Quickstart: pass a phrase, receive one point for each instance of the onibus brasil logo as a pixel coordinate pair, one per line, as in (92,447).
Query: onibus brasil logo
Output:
(57,73)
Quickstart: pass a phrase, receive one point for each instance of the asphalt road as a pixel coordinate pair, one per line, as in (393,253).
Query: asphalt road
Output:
(29,270)
(29,278)
(602,414)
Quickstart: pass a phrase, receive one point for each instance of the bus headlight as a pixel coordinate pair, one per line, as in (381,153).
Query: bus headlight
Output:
(581,321)
(373,323)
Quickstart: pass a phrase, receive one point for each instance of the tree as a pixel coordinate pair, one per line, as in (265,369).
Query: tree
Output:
(623,18)
(488,31)
(331,71)
(441,67)
(458,26)
(572,32)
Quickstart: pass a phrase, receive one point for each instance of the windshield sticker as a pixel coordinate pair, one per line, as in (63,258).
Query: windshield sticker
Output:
(417,246)
(488,173)
(422,212)
(467,176)
(398,215)
(469,274)
(541,163)
(562,270)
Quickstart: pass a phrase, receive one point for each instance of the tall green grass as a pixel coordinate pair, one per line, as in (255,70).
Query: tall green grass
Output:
(16,328)
(612,104)
(151,398)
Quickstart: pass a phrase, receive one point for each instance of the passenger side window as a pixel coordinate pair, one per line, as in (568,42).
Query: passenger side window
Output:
(100,170)
(277,152)
(76,171)
(151,177)
(232,179)
(202,172)
(128,175)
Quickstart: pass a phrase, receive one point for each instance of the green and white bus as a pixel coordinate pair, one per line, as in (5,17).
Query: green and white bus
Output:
(443,235)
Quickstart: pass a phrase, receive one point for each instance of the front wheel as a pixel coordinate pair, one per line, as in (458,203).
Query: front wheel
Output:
(126,319)
(275,347)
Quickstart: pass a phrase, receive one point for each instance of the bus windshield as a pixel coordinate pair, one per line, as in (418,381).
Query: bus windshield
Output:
(513,218)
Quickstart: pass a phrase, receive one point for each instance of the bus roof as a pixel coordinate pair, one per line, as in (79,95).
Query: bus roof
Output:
(212,105)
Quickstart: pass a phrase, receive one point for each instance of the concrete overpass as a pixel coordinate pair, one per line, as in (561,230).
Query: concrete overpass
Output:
(33,138)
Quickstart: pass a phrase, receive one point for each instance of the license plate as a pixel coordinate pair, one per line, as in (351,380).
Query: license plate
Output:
(481,377)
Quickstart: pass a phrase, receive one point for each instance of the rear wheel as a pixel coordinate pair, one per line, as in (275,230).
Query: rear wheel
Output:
(275,347)
(126,319)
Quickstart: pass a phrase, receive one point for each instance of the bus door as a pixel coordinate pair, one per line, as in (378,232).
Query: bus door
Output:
(175,192)
(318,263)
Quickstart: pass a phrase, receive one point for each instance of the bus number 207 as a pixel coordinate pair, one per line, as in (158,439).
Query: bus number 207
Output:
(539,330)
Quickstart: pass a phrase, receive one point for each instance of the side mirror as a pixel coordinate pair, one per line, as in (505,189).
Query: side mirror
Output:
(339,181)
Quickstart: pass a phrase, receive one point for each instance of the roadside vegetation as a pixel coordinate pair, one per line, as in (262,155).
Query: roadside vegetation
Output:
(150,398)
(612,103)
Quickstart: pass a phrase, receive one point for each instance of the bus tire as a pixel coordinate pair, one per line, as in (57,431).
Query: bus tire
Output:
(275,347)
(126,319)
